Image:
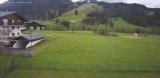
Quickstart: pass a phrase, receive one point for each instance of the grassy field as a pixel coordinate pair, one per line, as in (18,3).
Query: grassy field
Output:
(61,74)
(119,22)
(5,60)
(121,25)
(84,54)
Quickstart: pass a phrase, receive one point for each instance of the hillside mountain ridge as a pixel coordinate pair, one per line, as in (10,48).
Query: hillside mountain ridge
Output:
(48,9)
(134,13)
(38,9)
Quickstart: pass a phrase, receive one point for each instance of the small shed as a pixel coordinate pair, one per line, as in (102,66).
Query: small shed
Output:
(28,40)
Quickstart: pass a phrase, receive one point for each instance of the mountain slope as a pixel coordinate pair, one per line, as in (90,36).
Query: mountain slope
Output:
(134,13)
(49,9)
(38,9)
(120,24)
(83,10)
(76,20)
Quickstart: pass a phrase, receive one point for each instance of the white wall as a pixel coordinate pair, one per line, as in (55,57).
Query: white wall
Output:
(23,44)
(6,32)
(30,44)
(16,31)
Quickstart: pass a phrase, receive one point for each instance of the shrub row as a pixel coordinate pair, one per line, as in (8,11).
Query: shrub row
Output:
(64,25)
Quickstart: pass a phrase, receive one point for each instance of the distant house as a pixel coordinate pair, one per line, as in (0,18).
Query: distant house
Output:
(28,40)
(35,25)
(11,26)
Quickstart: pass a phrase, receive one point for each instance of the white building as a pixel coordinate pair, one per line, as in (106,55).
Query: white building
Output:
(11,30)
(11,26)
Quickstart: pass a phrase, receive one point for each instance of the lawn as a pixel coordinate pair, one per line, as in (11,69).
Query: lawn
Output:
(61,74)
(85,54)
(4,61)
(120,25)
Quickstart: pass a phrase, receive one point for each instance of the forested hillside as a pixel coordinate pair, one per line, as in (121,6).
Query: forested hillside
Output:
(134,13)
(38,9)
(48,9)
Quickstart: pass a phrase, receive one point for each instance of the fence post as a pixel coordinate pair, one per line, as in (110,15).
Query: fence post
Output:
(97,70)
(0,73)
(123,68)
(66,67)
(110,67)
(81,68)
(63,73)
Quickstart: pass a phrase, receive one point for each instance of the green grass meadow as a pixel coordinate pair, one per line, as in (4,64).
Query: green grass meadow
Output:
(61,74)
(84,54)
(4,60)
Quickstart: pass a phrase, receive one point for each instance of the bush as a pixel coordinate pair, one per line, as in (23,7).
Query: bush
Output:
(76,12)
(77,27)
(102,30)
(90,28)
(59,27)
(65,23)
(57,21)
(112,34)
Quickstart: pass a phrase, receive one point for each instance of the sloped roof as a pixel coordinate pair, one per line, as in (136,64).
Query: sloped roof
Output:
(35,24)
(33,37)
(2,14)
(36,21)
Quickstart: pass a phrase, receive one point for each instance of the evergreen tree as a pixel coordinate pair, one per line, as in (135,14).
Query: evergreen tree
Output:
(93,1)
(76,12)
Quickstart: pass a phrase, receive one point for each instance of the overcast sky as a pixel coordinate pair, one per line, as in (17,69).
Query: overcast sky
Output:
(1,1)
(148,3)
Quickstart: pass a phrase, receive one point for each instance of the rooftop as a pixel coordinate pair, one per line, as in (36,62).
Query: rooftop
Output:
(33,37)
(5,13)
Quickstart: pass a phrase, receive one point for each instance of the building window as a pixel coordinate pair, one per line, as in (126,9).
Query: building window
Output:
(17,27)
(5,21)
(12,21)
(18,33)
(12,27)
(13,34)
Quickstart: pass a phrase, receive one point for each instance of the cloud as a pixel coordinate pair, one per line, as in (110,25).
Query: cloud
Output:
(1,1)
(148,3)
